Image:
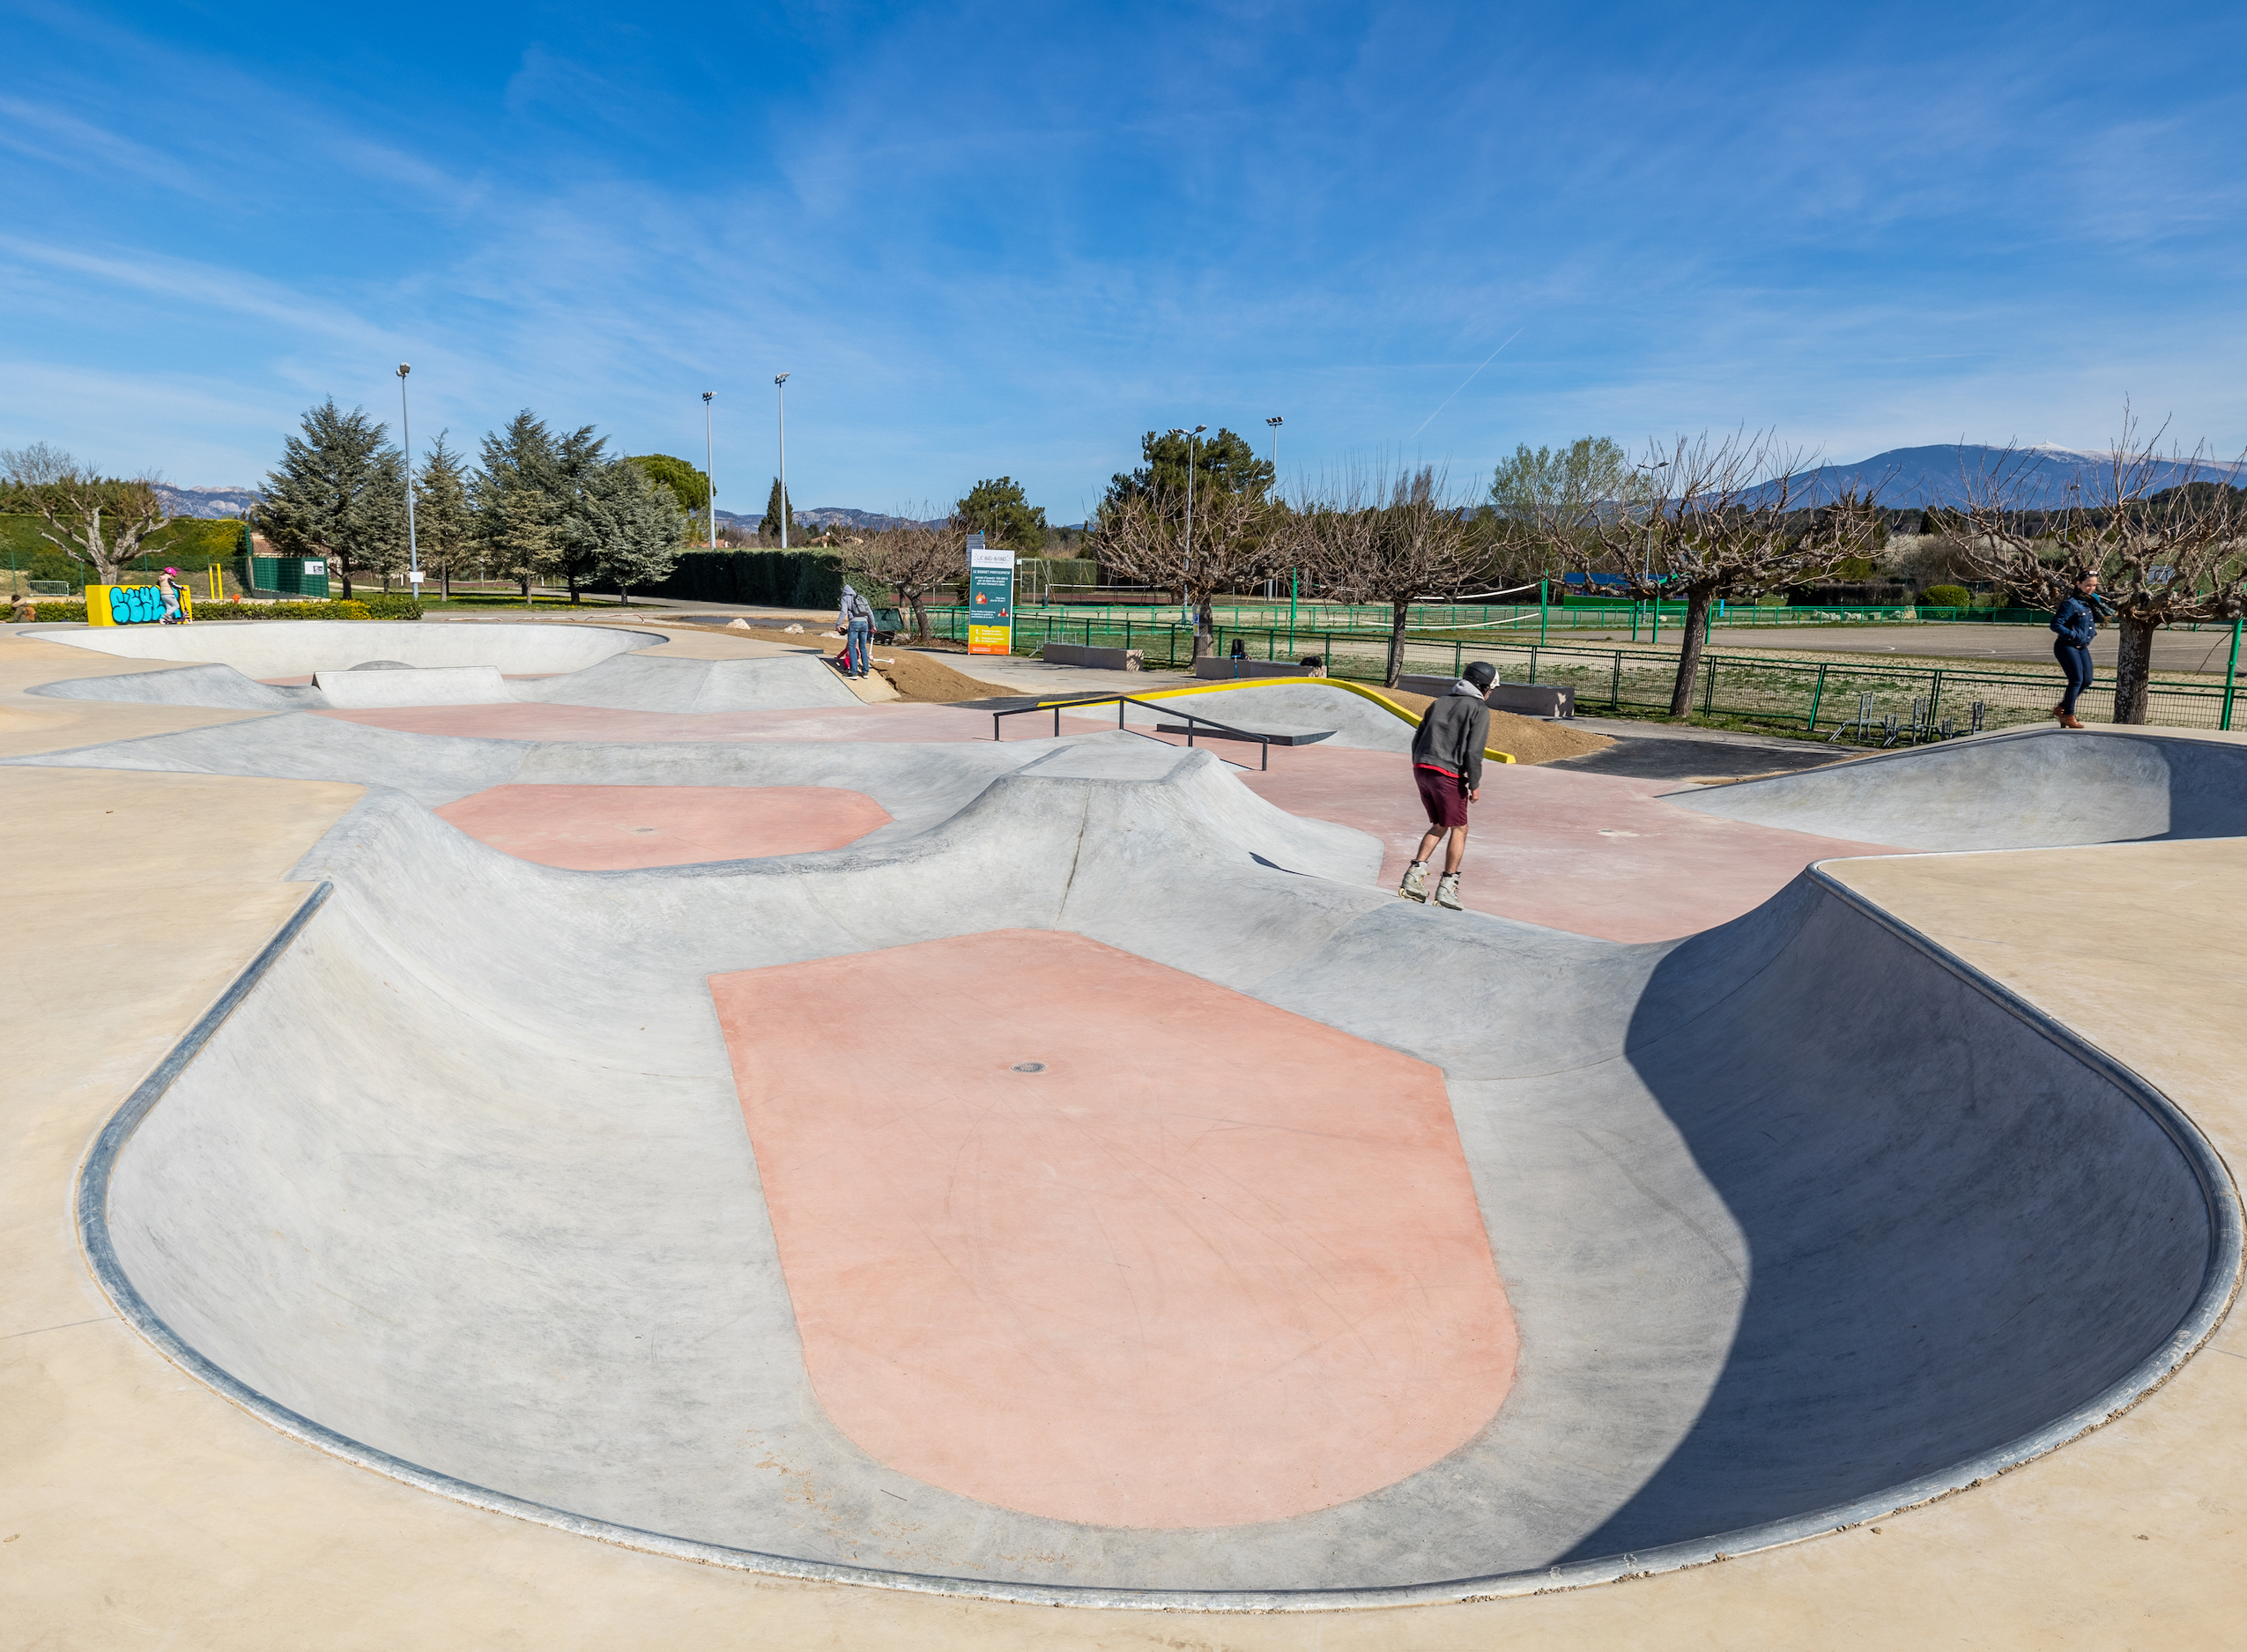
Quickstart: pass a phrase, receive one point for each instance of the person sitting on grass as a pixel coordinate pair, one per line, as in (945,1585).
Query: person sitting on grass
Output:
(1447,766)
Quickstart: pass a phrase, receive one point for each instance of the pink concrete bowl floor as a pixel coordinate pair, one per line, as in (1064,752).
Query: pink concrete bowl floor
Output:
(1074,1234)
(613,828)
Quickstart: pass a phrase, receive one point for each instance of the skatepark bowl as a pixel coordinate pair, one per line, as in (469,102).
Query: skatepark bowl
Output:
(748,1124)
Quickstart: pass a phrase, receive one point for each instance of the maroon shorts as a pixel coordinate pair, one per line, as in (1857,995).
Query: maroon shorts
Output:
(1443,796)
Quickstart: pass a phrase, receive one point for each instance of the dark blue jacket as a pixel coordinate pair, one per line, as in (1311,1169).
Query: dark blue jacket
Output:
(2077,619)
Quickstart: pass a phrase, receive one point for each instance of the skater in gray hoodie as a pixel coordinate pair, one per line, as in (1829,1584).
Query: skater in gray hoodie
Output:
(1447,764)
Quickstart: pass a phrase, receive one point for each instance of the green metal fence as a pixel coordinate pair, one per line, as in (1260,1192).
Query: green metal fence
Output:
(1645,621)
(1868,702)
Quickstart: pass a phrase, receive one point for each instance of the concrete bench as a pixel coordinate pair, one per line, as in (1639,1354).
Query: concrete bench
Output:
(1528,700)
(1216,667)
(1099,659)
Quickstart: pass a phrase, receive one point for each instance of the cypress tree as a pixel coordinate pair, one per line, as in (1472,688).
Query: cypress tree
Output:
(777,511)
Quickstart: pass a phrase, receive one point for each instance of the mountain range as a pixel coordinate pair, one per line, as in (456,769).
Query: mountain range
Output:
(232,501)
(1903,477)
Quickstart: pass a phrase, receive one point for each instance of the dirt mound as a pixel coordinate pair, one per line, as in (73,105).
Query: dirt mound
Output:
(1527,739)
(924,677)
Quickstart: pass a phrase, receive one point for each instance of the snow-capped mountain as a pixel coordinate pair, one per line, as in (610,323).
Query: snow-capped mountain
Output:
(207,501)
(1906,476)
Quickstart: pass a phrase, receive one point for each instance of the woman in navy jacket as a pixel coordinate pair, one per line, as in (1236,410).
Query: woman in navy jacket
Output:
(2077,622)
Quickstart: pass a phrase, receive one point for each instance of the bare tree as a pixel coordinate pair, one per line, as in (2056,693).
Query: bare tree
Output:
(912,559)
(1398,541)
(1144,536)
(97,522)
(2164,555)
(1730,516)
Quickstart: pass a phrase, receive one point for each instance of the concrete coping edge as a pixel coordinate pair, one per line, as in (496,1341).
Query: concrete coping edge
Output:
(2219,1286)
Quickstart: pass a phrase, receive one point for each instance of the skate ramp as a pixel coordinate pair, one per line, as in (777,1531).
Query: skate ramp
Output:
(220,686)
(1356,721)
(367,688)
(627,683)
(298,648)
(918,785)
(1799,1220)
(2039,788)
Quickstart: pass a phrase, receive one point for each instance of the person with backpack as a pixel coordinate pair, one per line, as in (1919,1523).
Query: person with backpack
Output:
(2076,622)
(857,624)
(1447,766)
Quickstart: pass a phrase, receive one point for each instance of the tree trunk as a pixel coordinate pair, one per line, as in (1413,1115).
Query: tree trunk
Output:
(2134,665)
(1396,643)
(571,579)
(625,592)
(1697,604)
(344,563)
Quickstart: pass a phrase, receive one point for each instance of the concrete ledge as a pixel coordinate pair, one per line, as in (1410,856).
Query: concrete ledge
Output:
(1216,666)
(1097,659)
(1530,699)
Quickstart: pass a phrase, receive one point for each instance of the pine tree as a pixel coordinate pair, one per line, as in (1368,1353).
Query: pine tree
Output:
(443,522)
(578,459)
(517,493)
(773,508)
(340,493)
(629,526)
(1002,512)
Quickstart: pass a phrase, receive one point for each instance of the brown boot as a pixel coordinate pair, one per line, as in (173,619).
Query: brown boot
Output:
(2068,720)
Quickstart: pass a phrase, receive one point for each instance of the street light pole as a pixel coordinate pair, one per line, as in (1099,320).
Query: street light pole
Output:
(710,471)
(780,392)
(1193,612)
(1271,585)
(406,430)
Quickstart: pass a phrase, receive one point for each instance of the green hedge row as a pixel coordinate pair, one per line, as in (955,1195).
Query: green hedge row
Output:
(776,578)
(66,613)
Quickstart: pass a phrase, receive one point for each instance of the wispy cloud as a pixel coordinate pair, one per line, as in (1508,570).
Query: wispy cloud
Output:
(989,240)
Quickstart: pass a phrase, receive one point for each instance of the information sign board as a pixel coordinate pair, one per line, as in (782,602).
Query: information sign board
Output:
(990,598)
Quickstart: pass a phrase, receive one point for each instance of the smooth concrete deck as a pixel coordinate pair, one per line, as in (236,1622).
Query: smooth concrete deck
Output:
(242,1538)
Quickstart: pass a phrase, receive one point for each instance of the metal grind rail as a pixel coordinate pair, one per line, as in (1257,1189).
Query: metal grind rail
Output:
(1263,741)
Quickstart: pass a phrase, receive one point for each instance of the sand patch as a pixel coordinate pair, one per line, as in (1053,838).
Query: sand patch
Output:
(1528,740)
(921,677)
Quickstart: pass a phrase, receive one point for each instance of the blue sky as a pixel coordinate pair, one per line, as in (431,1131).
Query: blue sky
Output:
(990,239)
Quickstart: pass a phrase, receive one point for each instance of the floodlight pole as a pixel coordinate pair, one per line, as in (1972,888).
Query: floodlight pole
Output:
(780,392)
(405,431)
(710,471)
